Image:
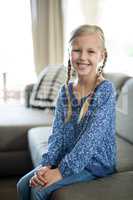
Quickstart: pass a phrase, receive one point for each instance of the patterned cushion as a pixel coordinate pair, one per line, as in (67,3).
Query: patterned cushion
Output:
(44,93)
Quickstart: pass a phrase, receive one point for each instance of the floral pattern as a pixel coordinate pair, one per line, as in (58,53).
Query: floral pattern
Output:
(89,144)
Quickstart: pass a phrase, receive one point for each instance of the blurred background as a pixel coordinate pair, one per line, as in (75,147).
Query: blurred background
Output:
(35,33)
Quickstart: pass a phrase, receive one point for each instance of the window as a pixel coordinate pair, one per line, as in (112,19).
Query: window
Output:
(16,50)
(73,17)
(115,18)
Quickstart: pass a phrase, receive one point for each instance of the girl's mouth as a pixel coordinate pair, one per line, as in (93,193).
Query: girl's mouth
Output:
(83,65)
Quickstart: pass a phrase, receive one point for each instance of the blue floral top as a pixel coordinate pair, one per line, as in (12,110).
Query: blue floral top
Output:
(89,144)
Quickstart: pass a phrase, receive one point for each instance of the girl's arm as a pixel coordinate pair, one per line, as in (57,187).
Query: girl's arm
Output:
(102,129)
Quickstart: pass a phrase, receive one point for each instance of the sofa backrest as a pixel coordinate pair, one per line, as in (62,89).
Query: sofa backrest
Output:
(124,114)
(118,80)
(124,107)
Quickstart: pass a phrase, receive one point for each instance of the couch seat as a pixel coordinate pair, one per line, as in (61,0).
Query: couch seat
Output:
(115,187)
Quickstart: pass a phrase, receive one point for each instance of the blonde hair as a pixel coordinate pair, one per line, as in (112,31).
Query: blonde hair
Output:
(83,30)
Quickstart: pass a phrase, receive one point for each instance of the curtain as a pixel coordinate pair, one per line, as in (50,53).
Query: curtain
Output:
(90,9)
(47,31)
(75,13)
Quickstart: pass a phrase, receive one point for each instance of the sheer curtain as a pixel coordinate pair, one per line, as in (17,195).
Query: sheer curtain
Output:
(47,30)
(75,13)
(115,18)
(16,50)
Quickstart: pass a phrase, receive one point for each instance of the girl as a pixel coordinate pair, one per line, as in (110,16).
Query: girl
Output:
(82,145)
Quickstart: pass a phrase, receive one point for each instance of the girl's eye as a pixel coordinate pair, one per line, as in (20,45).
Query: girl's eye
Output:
(91,52)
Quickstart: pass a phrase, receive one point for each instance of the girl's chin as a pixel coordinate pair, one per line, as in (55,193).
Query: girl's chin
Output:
(83,72)
(83,75)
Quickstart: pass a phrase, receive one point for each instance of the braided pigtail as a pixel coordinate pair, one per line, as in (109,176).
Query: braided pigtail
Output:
(105,59)
(69,106)
(100,69)
(84,109)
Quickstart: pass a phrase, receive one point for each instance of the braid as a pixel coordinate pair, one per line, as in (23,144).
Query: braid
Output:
(84,109)
(100,70)
(105,59)
(69,110)
(68,72)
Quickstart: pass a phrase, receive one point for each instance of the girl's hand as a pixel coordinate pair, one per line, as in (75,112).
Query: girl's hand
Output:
(52,176)
(39,177)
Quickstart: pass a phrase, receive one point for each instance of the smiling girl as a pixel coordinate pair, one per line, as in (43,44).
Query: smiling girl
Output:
(82,144)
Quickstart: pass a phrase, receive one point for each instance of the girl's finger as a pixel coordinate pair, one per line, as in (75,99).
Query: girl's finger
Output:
(32,183)
(39,180)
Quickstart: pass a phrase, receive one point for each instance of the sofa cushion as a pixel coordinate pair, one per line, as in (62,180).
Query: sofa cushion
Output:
(38,138)
(45,91)
(116,187)
(124,117)
(38,142)
(124,155)
(15,121)
(15,163)
(8,188)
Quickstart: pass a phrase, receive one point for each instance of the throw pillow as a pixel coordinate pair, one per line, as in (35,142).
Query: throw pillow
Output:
(45,91)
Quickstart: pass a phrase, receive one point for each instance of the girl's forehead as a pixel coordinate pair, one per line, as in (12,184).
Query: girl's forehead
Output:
(90,40)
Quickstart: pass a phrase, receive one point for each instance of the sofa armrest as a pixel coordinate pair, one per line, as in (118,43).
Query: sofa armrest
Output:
(27,94)
(119,79)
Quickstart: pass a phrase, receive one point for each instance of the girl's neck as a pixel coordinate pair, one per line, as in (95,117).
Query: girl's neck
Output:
(82,87)
(86,82)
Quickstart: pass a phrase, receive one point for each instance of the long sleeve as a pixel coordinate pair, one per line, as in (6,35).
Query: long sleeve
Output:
(55,142)
(95,138)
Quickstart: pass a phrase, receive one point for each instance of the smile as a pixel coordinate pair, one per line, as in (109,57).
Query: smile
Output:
(83,65)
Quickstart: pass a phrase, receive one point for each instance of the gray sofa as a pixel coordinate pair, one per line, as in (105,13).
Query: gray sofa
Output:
(15,160)
(24,133)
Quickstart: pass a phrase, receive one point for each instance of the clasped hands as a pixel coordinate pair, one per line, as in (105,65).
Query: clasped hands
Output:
(45,176)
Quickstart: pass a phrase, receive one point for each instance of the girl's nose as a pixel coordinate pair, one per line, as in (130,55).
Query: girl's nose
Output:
(83,55)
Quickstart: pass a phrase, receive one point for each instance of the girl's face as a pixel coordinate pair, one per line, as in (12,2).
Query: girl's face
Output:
(86,53)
